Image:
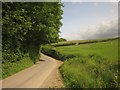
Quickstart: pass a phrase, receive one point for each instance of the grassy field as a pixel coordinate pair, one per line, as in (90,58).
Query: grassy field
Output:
(107,50)
(78,42)
(95,65)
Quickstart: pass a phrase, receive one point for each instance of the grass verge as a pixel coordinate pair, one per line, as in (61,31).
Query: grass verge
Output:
(92,65)
(9,68)
(90,72)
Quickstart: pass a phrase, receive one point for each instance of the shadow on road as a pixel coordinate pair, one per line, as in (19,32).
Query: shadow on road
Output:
(41,60)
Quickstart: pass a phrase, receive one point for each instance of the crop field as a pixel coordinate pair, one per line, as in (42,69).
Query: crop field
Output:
(78,42)
(107,50)
(94,65)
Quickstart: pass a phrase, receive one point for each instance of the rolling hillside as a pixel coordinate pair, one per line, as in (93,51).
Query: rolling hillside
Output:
(89,65)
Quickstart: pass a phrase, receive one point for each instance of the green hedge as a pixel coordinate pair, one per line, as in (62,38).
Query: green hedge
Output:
(53,52)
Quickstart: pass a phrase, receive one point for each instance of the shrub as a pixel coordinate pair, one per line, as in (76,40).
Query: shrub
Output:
(53,52)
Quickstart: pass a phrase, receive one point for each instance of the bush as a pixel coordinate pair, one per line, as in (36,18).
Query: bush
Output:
(50,51)
(63,44)
(53,52)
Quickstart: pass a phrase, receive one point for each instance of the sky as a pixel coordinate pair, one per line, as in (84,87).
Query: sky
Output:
(89,20)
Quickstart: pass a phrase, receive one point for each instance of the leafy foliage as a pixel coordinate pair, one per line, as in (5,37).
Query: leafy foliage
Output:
(25,27)
(62,40)
(53,52)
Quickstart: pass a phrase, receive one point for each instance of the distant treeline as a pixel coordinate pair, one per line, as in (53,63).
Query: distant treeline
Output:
(83,42)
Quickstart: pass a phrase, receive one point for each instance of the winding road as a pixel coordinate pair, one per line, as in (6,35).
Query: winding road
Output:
(41,75)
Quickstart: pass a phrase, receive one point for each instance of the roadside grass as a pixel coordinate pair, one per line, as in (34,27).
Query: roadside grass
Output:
(13,62)
(9,68)
(87,72)
(92,65)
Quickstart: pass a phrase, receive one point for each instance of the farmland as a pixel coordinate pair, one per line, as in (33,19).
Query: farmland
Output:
(92,65)
(105,49)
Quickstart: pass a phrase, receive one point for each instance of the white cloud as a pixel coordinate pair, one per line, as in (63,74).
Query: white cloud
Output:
(104,30)
(90,0)
(95,4)
(71,0)
(112,11)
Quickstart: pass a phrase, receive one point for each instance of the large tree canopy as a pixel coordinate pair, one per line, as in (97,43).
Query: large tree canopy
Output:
(27,25)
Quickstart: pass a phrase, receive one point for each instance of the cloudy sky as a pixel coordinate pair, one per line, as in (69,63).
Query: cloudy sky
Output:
(89,20)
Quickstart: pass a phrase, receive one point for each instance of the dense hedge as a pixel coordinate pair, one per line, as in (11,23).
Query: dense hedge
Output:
(53,52)
(25,27)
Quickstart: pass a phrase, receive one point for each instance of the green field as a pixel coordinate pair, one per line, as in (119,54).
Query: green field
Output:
(108,49)
(93,65)
(78,42)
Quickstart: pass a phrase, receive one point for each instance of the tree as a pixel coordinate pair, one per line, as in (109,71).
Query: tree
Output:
(28,25)
(62,39)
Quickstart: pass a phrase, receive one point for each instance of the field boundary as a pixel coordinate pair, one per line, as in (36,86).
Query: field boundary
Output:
(84,42)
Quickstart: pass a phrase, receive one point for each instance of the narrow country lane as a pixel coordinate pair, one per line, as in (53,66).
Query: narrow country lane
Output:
(39,75)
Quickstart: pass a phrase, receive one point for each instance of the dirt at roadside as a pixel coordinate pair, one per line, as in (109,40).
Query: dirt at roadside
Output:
(57,82)
(55,79)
